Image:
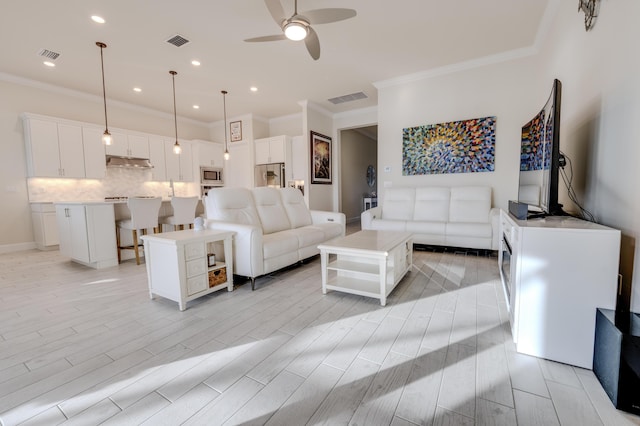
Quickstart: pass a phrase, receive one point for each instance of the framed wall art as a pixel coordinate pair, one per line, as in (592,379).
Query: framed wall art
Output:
(466,146)
(235,131)
(320,158)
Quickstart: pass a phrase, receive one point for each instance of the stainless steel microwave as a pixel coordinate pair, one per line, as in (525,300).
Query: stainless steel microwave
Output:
(211,176)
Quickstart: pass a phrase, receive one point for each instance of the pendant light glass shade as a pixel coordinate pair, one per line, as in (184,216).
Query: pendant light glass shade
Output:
(177,149)
(106,136)
(224,106)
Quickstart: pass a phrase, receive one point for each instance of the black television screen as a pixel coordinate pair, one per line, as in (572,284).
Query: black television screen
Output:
(540,157)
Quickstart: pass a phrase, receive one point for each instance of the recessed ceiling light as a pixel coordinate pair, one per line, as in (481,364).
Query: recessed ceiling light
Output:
(137,89)
(98,19)
(196,107)
(195,62)
(253,88)
(49,64)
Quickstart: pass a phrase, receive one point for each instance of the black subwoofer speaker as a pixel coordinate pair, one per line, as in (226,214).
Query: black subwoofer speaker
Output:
(616,358)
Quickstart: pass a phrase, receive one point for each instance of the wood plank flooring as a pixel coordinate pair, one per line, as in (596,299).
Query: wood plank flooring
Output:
(86,347)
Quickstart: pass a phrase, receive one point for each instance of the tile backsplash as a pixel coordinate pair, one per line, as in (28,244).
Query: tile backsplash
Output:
(118,182)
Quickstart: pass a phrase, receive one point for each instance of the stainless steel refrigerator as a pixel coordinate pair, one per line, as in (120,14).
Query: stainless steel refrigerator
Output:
(271,175)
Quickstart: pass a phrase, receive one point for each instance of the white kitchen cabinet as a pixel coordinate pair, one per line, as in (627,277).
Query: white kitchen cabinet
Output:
(210,154)
(95,165)
(45,227)
(126,145)
(556,272)
(53,149)
(179,166)
(272,149)
(157,159)
(178,267)
(87,233)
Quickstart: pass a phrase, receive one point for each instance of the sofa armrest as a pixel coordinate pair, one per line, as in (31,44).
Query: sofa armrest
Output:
(320,216)
(248,258)
(494,219)
(367,216)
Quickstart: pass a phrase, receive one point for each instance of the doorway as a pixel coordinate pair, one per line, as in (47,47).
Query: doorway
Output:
(358,151)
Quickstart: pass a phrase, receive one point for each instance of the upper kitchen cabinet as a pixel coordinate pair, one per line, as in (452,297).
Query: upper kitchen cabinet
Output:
(272,150)
(94,154)
(125,145)
(157,158)
(53,149)
(210,154)
(179,166)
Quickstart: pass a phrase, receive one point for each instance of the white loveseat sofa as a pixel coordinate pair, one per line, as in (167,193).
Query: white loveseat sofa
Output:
(274,228)
(444,216)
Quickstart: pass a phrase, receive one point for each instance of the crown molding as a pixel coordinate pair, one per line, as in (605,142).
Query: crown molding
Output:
(317,108)
(10,78)
(297,115)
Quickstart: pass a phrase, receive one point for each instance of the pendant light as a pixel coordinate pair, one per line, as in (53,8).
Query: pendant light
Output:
(177,149)
(106,136)
(224,105)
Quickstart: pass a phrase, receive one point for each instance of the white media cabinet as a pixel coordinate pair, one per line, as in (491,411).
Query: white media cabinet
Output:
(556,272)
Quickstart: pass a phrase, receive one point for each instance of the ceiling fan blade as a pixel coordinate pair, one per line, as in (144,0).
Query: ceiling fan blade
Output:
(276,10)
(274,37)
(313,44)
(326,16)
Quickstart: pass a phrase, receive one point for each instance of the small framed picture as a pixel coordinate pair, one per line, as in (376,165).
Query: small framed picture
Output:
(211,260)
(236,131)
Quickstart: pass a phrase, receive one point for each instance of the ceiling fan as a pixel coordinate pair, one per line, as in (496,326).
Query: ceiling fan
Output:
(298,26)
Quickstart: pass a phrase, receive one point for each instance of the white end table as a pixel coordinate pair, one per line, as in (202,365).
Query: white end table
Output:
(177,266)
(367,263)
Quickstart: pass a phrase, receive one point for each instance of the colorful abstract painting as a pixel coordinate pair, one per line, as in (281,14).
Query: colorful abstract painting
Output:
(456,147)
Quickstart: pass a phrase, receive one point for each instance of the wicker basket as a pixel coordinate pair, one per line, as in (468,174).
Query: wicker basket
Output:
(217,276)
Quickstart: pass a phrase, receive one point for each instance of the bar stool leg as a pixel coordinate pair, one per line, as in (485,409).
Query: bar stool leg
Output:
(118,243)
(135,245)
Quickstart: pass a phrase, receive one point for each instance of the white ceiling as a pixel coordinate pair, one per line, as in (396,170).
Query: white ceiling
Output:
(385,40)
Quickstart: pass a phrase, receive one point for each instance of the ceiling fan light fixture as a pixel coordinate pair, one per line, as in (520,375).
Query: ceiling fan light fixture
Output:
(296,31)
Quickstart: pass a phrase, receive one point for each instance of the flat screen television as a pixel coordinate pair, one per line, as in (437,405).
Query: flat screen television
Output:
(540,158)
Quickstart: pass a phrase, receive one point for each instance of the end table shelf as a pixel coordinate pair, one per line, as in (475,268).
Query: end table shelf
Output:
(177,265)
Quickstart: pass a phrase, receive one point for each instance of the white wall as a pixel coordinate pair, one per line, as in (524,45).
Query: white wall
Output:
(600,73)
(290,125)
(20,96)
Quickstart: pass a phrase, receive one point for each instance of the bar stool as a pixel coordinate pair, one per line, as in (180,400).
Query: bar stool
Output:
(184,212)
(144,215)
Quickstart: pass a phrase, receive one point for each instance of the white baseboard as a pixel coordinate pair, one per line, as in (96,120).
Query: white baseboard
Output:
(10,248)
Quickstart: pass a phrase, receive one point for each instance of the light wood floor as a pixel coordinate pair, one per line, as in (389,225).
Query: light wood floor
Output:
(86,347)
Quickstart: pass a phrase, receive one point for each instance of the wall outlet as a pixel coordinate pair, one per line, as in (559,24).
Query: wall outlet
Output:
(387,169)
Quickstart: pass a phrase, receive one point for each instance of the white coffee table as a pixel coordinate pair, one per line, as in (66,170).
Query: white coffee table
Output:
(367,263)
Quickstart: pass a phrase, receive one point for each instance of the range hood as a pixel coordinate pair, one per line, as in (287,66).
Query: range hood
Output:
(128,162)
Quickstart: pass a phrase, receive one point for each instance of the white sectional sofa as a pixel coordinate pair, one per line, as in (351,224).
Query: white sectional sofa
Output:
(444,216)
(274,228)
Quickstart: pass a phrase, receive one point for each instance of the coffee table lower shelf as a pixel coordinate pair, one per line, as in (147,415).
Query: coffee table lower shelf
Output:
(367,263)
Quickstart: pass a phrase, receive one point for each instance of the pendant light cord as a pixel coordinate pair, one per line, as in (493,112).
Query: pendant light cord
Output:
(224,106)
(104,90)
(175,116)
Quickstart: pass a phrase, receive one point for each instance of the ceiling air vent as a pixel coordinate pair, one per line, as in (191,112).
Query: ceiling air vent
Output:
(177,40)
(49,54)
(347,98)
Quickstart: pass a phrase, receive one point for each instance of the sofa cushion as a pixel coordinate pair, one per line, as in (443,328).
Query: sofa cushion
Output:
(279,243)
(480,230)
(423,227)
(398,203)
(308,236)
(432,204)
(233,205)
(270,210)
(388,225)
(296,209)
(329,229)
(470,204)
